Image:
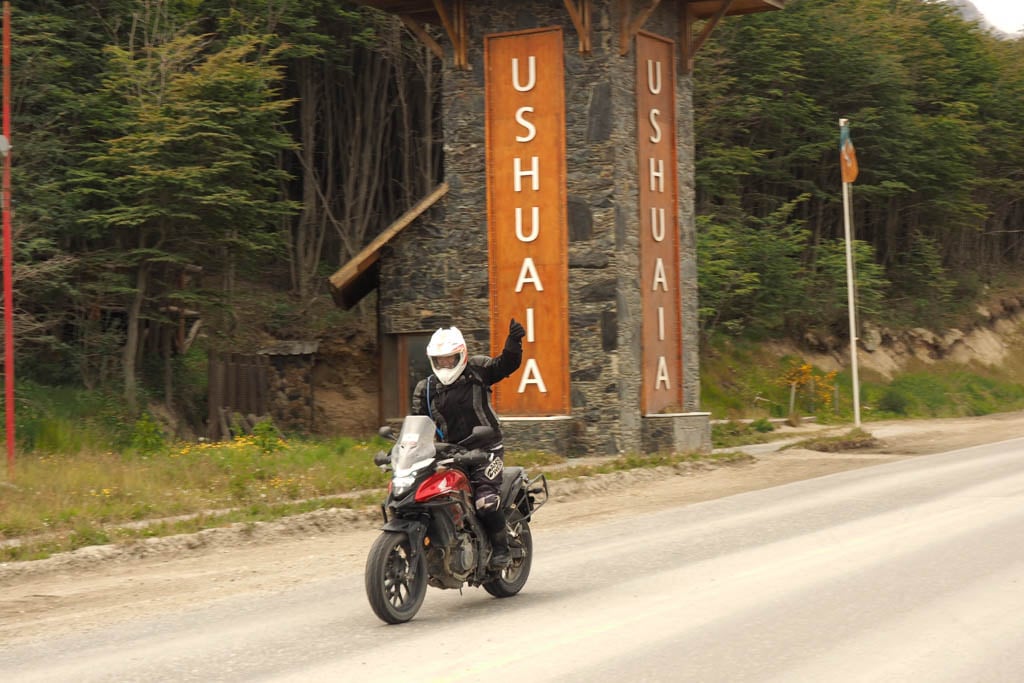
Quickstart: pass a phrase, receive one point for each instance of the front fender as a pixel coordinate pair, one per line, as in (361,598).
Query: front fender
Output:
(413,528)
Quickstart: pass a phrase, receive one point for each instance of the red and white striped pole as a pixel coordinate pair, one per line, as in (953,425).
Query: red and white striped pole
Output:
(8,269)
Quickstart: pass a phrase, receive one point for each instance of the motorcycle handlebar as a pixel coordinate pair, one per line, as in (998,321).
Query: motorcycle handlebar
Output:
(474,457)
(453,453)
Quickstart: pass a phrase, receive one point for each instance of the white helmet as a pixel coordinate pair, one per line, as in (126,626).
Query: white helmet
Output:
(447,354)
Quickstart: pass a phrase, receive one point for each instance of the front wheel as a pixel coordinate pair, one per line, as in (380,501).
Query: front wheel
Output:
(513,577)
(395,582)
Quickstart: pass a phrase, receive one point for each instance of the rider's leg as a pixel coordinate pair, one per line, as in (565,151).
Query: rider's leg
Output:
(494,522)
(486,480)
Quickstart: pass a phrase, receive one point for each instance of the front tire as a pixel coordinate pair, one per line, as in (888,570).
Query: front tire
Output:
(513,577)
(395,583)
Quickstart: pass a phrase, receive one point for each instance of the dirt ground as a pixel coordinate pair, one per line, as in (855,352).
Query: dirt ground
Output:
(95,586)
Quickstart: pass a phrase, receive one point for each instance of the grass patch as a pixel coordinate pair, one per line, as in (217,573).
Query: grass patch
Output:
(741,379)
(949,392)
(533,459)
(41,548)
(61,503)
(76,497)
(852,440)
(69,420)
(735,433)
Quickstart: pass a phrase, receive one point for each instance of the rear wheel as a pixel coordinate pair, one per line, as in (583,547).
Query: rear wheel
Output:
(514,576)
(395,583)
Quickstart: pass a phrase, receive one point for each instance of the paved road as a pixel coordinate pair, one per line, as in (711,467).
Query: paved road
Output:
(909,571)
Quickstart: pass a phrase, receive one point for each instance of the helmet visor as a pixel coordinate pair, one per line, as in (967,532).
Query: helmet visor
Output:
(446,362)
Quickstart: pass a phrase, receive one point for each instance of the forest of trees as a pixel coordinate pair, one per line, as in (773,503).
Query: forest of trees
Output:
(168,150)
(935,109)
(165,150)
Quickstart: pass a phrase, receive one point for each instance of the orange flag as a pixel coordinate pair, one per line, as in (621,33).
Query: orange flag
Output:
(847,155)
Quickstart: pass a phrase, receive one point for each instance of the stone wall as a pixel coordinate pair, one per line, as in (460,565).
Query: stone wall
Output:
(291,394)
(435,272)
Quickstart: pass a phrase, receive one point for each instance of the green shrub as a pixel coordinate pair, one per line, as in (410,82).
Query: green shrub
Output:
(894,401)
(266,437)
(733,433)
(147,438)
(68,420)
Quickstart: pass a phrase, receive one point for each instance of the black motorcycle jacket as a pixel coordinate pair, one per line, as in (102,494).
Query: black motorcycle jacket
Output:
(466,403)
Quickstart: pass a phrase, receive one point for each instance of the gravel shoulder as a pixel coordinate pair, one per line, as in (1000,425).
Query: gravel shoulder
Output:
(91,587)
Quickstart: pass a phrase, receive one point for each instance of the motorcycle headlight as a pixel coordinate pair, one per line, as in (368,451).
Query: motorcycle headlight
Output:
(401,484)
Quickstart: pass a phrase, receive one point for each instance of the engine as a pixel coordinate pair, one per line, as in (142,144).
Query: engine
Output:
(449,566)
(463,555)
(451,553)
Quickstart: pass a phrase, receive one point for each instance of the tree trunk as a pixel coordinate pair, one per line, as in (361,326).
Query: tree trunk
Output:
(305,229)
(167,338)
(133,335)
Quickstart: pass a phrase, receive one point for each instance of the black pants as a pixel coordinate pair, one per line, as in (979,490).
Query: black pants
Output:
(486,479)
(486,482)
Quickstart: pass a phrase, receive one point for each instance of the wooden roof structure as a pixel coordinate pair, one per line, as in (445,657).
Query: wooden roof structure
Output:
(451,15)
(360,275)
(431,11)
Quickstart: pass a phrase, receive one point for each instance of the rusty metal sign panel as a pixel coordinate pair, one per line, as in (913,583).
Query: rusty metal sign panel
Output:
(659,225)
(526,215)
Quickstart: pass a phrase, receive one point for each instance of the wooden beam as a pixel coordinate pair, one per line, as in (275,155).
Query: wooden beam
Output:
(587,12)
(710,26)
(686,20)
(446,22)
(634,25)
(642,18)
(454,23)
(371,252)
(416,28)
(461,27)
(581,20)
(624,36)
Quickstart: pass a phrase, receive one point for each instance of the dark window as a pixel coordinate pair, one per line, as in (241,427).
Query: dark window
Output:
(404,364)
(417,366)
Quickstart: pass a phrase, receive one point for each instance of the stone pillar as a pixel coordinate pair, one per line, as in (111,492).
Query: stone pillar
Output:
(436,272)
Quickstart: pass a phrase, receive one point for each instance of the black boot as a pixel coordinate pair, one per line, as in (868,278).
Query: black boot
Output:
(494,522)
(500,555)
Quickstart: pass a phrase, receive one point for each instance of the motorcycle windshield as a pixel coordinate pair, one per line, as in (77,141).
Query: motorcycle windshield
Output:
(415,447)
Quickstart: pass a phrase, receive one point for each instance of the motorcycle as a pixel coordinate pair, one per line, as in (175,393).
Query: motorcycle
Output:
(431,534)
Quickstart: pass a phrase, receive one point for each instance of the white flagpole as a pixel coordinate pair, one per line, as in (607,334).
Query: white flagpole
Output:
(851,304)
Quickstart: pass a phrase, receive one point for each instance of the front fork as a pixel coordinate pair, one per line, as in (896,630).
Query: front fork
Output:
(415,531)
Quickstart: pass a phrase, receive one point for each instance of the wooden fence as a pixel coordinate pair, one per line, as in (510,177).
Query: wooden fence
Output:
(239,385)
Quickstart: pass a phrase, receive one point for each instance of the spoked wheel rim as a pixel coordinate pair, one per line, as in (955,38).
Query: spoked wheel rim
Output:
(398,588)
(396,580)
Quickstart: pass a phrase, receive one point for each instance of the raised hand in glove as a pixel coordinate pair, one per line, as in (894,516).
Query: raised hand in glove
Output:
(516,332)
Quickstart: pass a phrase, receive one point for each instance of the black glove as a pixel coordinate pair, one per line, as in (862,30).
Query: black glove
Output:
(516,332)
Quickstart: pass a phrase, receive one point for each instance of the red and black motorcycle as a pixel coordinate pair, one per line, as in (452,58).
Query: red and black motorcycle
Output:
(431,534)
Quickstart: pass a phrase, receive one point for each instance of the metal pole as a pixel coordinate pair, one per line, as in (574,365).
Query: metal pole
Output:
(8,268)
(851,299)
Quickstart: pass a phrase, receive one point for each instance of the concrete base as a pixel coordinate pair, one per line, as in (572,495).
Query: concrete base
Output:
(676,433)
(670,433)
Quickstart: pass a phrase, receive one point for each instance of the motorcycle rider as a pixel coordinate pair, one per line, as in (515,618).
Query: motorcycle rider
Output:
(457,396)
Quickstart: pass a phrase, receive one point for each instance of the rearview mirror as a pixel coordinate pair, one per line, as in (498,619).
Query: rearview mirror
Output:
(480,436)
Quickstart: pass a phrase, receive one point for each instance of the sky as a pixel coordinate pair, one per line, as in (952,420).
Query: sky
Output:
(1006,15)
